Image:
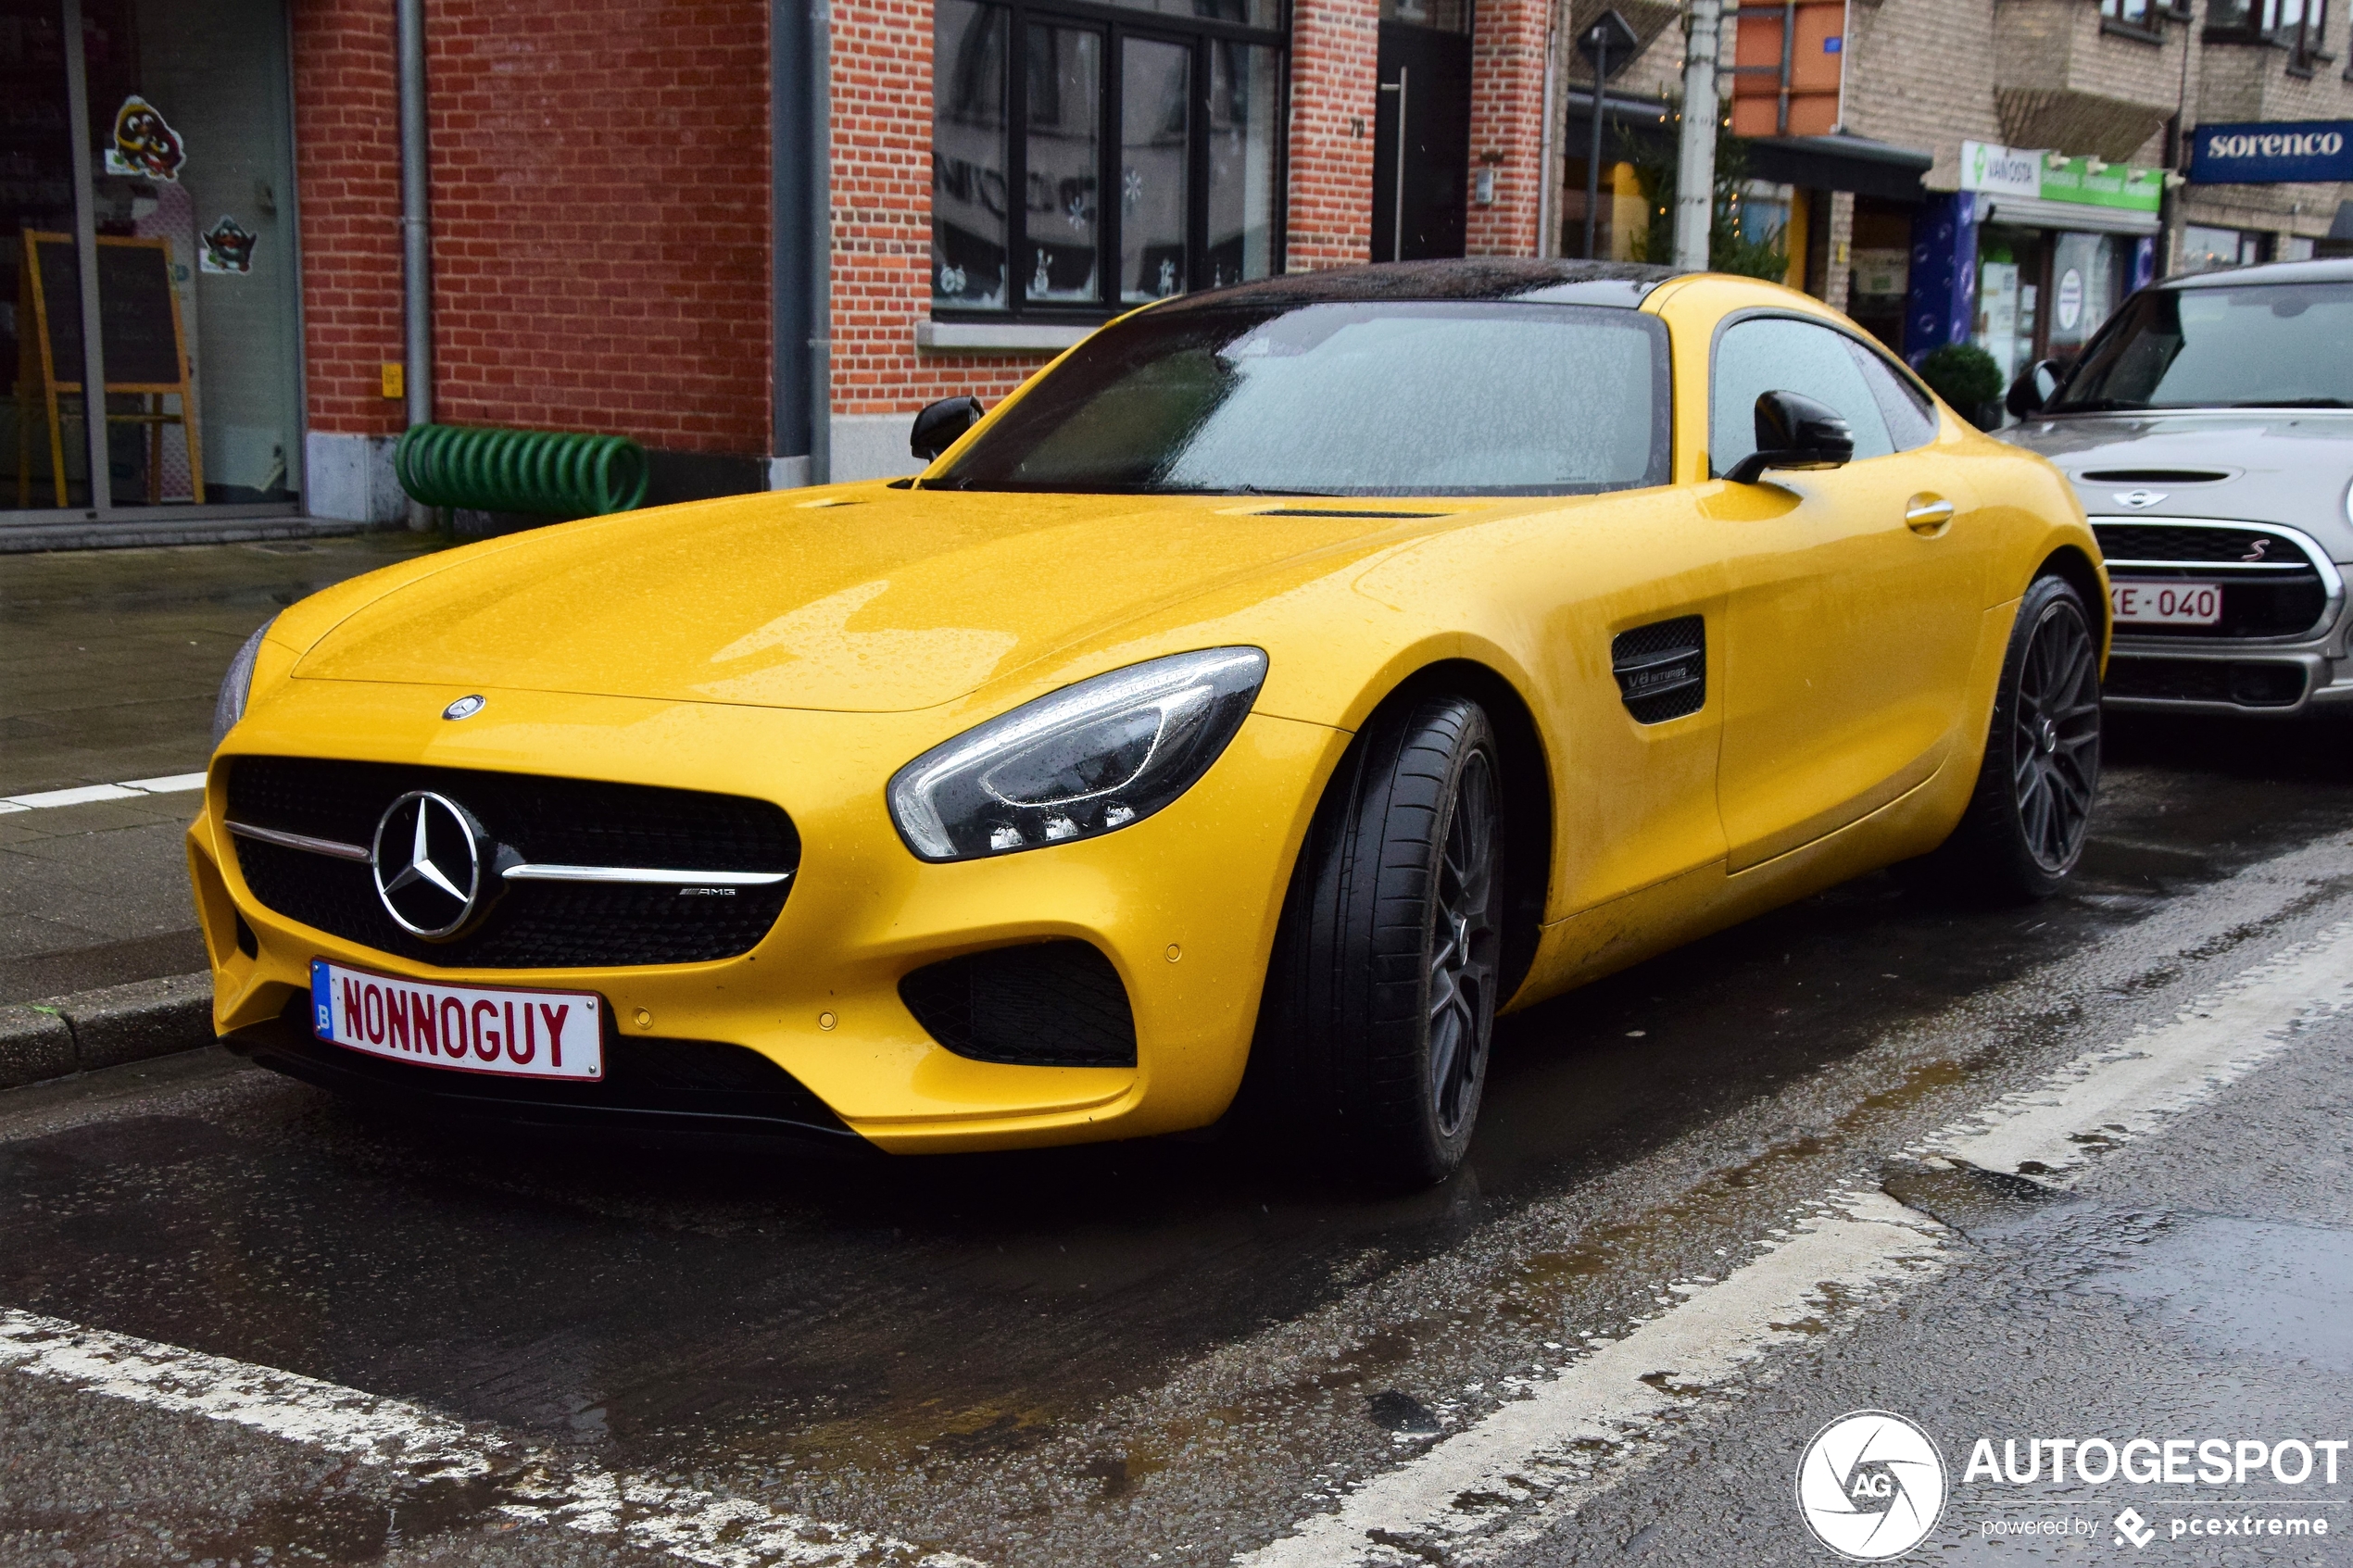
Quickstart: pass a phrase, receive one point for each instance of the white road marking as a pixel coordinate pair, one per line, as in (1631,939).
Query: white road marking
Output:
(1867,1247)
(681,1521)
(84,795)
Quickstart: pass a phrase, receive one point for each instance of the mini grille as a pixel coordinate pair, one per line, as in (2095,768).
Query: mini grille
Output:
(1662,669)
(1052,1004)
(2250,547)
(2152,476)
(2286,598)
(2202,679)
(569,821)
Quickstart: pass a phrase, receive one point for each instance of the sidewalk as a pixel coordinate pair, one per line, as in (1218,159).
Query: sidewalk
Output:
(110,665)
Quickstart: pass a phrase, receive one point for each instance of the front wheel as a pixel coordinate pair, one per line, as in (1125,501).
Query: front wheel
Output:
(1380,998)
(2027,824)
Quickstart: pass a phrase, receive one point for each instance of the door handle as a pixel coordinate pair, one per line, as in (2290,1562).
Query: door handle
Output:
(1926,514)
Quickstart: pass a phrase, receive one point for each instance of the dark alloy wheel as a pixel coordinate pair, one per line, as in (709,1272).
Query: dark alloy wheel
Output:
(2027,824)
(1380,999)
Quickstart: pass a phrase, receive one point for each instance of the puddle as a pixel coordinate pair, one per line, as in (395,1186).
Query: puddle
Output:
(2265,1287)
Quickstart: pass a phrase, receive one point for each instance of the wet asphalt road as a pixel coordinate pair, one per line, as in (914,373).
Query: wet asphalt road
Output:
(1174,1352)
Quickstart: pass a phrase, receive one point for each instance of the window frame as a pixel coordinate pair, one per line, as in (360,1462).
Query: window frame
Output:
(1115,25)
(1905,375)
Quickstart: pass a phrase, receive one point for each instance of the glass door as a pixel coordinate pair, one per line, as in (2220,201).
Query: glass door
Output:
(147,187)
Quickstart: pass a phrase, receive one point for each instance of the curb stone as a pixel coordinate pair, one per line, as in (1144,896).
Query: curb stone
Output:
(104,1028)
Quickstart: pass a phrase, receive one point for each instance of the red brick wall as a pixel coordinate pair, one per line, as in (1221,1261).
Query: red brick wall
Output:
(1507,123)
(600,213)
(347,139)
(1334,82)
(880,129)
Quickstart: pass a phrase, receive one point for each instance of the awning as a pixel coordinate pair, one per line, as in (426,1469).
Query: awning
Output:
(2031,213)
(1840,163)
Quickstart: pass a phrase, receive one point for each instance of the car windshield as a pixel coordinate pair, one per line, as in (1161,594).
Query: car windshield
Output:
(2262,346)
(1342,399)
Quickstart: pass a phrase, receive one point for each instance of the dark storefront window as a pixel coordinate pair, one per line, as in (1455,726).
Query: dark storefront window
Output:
(175,188)
(1096,156)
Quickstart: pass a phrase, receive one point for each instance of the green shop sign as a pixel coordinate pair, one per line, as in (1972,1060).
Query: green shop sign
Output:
(2115,184)
(2044,176)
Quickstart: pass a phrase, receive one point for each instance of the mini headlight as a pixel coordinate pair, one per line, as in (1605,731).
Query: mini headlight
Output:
(1082,761)
(237,685)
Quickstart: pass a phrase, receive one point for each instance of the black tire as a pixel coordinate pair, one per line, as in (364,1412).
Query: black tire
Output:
(1381,998)
(2028,820)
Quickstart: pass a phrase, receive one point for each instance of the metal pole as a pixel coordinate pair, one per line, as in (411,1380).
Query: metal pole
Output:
(1548,236)
(1695,170)
(85,250)
(416,233)
(1397,250)
(1594,157)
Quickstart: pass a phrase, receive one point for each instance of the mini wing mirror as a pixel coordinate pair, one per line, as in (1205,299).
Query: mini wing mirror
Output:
(1794,432)
(940,423)
(2034,388)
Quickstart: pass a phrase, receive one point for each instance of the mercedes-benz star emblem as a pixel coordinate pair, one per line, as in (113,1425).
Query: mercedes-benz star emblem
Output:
(2139,500)
(430,854)
(464,708)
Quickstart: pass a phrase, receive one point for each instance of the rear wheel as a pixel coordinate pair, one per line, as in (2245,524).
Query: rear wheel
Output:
(2027,822)
(1380,999)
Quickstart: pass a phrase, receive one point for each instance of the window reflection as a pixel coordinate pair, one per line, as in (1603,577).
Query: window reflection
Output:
(968,156)
(1155,136)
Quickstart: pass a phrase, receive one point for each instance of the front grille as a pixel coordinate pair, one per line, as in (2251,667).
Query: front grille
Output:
(2141,541)
(2204,680)
(658,1085)
(1050,1004)
(569,821)
(2269,589)
(1662,669)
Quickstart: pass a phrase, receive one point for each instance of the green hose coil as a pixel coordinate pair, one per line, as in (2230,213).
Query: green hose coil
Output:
(521,471)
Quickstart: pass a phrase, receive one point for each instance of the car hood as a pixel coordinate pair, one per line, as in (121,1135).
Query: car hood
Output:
(2291,466)
(863,599)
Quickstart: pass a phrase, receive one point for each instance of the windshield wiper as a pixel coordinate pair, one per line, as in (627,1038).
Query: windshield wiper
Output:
(2292,403)
(1260,490)
(2099,405)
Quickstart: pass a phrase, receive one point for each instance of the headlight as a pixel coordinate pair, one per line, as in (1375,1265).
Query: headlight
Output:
(236,686)
(1082,761)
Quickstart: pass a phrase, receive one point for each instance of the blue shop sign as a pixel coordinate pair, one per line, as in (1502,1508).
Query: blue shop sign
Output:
(2271,153)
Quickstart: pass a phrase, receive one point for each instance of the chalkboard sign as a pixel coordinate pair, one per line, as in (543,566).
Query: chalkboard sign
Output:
(147,351)
(137,309)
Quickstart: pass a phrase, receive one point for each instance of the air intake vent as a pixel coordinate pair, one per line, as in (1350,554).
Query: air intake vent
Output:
(1662,669)
(1050,1004)
(2152,476)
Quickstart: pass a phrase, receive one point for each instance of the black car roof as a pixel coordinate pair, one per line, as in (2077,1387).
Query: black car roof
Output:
(1501,278)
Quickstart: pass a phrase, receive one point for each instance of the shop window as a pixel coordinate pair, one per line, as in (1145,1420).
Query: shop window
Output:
(179,200)
(2300,24)
(2207,249)
(1080,163)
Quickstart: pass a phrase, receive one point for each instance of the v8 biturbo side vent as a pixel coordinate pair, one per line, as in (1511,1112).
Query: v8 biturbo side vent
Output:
(1050,1004)
(1662,669)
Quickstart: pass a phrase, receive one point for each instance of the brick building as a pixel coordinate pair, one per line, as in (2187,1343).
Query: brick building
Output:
(756,235)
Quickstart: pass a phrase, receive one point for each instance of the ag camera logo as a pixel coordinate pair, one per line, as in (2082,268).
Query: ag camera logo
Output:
(1870,1486)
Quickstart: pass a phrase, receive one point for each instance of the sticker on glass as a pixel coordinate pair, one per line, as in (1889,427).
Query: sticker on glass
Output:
(144,142)
(227,248)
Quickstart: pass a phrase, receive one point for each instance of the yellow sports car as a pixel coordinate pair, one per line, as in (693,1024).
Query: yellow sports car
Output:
(1281,684)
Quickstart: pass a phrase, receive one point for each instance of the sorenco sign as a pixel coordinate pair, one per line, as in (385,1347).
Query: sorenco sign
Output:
(2272,153)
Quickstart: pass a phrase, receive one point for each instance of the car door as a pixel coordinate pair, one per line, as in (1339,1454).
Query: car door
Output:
(1853,608)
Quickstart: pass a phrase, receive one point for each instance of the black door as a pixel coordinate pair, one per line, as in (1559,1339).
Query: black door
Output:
(1426,73)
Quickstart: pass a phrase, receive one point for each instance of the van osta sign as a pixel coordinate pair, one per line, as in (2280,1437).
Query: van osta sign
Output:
(2261,153)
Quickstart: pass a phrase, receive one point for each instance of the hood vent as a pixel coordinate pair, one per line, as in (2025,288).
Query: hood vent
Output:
(2152,476)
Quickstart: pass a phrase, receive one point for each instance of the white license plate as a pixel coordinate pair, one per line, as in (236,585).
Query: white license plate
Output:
(2166,604)
(466,1028)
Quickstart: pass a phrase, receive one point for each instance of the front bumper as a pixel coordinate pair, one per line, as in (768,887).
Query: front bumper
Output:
(1183,904)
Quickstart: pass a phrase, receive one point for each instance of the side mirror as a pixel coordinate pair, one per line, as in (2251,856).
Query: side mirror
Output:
(2034,388)
(940,423)
(1794,432)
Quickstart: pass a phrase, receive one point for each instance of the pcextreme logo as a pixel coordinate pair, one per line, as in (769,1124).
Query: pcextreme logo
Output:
(1870,1486)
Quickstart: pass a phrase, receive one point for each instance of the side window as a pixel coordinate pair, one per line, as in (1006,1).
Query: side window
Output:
(1777,353)
(1910,421)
